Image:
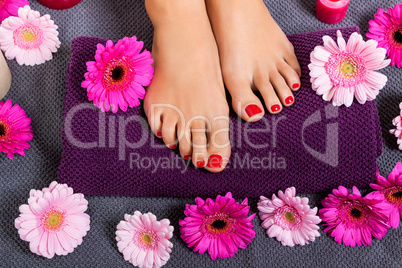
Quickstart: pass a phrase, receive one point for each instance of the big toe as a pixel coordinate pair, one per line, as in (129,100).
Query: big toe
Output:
(244,102)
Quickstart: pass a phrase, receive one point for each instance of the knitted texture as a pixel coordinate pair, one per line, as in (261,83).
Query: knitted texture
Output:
(40,91)
(310,145)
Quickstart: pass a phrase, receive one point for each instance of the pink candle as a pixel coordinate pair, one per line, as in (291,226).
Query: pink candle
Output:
(331,11)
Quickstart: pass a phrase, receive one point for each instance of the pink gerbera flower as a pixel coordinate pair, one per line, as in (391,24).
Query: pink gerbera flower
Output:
(15,129)
(397,122)
(289,218)
(220,226)
(340,72)
(143,240)
(352,219)
(53,221)
(118,76)
(10,8)
(386,28)
(29,38)
(391,189)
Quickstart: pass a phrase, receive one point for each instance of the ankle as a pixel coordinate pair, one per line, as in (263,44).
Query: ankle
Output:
(165,11)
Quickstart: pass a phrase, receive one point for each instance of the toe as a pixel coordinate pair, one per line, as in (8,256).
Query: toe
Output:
(282,89)
(292,61)
(218,145)
(184,138)
(267,91)
(199,143)
(169,131)
(155,122)
(245,103)
(290,75)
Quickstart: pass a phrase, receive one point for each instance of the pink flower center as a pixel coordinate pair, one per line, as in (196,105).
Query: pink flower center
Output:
(4,130)
(53,220)
(28,36)
(288,218)
(146,239)
(118,74)
(346,69)
(354,213)
(393,194)
(218,224)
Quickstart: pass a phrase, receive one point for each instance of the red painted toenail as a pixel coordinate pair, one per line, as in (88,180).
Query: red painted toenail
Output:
(252,110)
(187,157)
(215,161)
(159,134)
(296,86)
(200,163)
(172,146)
(275,108)
(289,100)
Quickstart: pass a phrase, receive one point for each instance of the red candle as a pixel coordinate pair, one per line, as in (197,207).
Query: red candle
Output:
(331,11)
(59,4)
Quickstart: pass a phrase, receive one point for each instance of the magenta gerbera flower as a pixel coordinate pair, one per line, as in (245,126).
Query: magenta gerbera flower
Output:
(220,226)
(352,219)
(10,8)
(386,28)
(53,221)
(391,189)
(340,72)
(29,38)
(397,122)
(143,240)
(289,218)
(15,129)
(118,76)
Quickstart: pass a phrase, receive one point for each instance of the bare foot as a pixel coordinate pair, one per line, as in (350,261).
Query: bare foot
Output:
(186,103)
(255,55)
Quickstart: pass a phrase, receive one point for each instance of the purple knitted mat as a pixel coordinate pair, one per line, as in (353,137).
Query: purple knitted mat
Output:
(311,145)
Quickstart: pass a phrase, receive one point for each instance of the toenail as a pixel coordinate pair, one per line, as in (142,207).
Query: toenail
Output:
(275,108)
(252,110)
(200,163)
(215,161)
(289,100)
(172,146)
(187,157)
(159,134)
(296,85)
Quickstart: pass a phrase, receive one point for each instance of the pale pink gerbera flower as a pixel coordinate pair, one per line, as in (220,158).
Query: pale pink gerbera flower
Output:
(29,38)
(386,28)
(289,218)
(15,129)
(391,188)
(397,122)
(143,240)
(352,219)
(10,8)
(118,76)
(340,72)
(220,226)
(53,221)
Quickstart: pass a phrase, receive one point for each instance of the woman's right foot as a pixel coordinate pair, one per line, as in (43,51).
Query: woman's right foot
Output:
(186,104)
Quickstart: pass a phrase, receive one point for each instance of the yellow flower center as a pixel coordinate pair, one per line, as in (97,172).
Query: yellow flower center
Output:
(289,217)
(147,238)
(28,36)
(53,220)
(348,68)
